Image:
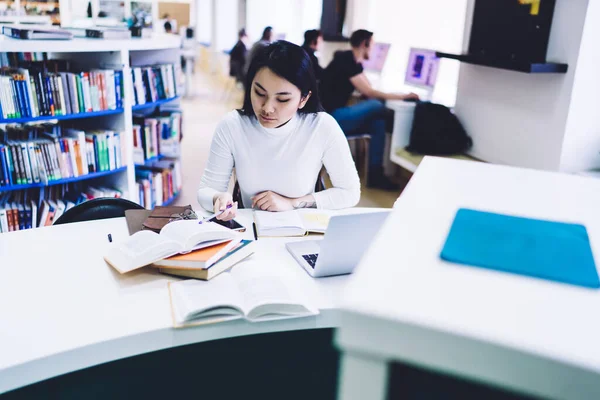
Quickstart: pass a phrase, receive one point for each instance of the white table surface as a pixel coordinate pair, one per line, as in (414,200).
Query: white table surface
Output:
(531,335)
(62,308)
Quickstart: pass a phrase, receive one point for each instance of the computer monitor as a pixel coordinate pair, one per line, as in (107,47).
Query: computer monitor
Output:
(422,68)
(377,58)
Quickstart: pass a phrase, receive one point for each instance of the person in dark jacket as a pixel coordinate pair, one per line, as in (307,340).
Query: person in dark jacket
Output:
(237,57)
(312,43)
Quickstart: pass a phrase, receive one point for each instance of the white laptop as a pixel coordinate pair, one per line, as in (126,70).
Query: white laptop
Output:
(345,241)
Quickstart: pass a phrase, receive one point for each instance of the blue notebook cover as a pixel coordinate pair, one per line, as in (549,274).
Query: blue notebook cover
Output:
(554,251)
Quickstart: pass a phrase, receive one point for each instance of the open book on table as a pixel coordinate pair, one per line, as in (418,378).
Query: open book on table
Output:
(248,291)
(146,247)
(290,223)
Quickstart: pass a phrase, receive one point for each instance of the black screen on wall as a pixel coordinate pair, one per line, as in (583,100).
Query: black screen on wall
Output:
(508,30)
(332,19)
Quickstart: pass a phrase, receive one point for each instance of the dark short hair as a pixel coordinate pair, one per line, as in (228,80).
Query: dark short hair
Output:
(290,62)
(266,32)
(242,33)
(359,36)
(311,36)
(168,26)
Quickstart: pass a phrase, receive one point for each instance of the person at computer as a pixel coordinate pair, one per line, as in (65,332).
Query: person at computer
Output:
(265,40)
(237,57)
(341,77)
(313,39)
(278,142)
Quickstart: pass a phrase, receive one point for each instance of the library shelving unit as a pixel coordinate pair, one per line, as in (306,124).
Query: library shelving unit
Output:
(99,54)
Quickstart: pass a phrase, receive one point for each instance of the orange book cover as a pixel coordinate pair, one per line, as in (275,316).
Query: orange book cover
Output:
(201,255)
(198,259)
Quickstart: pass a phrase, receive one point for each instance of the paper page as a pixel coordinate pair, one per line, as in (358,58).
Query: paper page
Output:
(285,223)
(190,233)
(315,220)
(195,300)
(138,250)
(266,292)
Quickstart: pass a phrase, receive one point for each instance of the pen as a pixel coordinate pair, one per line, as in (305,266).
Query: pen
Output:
(207,219)
(254,229)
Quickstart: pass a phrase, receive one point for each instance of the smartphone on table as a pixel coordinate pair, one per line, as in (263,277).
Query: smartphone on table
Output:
(231,224)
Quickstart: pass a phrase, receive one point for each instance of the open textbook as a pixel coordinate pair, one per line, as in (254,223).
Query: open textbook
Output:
(145,247)
(249,291)
(290,223)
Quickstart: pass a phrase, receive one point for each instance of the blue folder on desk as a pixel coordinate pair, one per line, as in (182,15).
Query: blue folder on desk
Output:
(555,251)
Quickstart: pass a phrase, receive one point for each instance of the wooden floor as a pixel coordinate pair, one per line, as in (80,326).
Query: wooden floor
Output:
(202,113)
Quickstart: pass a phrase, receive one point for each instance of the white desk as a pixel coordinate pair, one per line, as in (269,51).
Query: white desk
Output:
(62,308)
(404,303)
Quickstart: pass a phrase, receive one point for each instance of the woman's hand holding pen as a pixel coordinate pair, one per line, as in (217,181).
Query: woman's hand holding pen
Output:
(224,201)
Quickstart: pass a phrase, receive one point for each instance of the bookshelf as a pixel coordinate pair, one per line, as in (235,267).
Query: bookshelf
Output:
(60,117)
(122,55)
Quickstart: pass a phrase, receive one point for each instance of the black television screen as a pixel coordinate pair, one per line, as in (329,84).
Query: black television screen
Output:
(332,19)
(511,29)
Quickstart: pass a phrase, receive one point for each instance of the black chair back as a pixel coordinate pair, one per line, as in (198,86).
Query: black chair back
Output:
(101,208)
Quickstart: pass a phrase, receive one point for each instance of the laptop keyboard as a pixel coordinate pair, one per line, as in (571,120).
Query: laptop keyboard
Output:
(311,259)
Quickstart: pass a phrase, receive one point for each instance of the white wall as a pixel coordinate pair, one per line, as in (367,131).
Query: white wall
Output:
(517,118)
(226,24)
(292,17)
(581,145)
(204,20)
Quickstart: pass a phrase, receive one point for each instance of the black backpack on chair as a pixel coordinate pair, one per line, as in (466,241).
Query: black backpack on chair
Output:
(437,131)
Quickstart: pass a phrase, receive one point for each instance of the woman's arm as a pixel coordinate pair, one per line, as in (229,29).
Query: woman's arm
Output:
(219,167)
(341,169)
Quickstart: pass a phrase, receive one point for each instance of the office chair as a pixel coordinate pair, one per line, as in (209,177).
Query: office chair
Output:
(361,144)
(237,193)
(101,208)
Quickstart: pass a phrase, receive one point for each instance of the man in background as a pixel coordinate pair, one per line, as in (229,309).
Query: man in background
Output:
(237,57)
(265,40)
(341,78)
(312,43)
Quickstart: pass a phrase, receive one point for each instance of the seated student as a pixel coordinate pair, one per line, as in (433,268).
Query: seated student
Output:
(265,40)
(237,57)
(312,43)
(341,77)
(278,142)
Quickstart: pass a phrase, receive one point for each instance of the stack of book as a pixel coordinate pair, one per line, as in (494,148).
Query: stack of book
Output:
(159,182)
(153,83)
(156,136)
(24,210)
(48,88)
(47,152)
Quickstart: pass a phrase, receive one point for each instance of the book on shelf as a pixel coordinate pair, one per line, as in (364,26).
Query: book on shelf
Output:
(24,210)
(157,136)
(153,83)
(35,32)
(249,291)
(9,59)
(45,153)
(146,247)
(207,263)
(290,223)
(158,182)
(108,33)
(53,88)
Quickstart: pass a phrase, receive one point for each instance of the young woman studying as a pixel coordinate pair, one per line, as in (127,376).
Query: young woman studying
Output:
(278,142)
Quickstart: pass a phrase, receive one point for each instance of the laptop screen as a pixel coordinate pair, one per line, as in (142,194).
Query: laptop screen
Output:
(377,57)
(422,68)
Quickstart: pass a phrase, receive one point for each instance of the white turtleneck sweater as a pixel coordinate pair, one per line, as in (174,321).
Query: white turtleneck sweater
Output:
(285,160)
